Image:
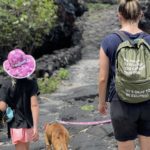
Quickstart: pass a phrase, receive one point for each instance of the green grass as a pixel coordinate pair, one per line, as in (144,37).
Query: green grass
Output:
(87,107)
(97,6)
(63,73)
(1,69)
(51,84)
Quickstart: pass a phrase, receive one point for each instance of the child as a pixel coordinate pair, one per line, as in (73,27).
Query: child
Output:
(20,93)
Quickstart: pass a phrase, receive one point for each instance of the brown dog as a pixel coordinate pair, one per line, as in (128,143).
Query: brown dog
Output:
(56,137)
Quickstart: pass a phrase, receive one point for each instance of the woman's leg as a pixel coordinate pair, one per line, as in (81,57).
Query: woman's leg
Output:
(124,117)
(126,145)
(22,146)
(144,142)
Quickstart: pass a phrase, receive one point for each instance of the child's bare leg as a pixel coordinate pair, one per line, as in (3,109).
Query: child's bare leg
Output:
(22,146)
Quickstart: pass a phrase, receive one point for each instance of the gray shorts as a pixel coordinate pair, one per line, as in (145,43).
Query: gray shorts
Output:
(130,120)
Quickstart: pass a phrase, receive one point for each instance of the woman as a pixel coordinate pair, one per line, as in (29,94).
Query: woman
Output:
(129,120)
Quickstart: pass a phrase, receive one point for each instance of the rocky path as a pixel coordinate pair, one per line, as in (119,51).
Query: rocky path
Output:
(79,92)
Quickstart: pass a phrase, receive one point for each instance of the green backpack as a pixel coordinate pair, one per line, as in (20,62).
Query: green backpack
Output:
(132,79)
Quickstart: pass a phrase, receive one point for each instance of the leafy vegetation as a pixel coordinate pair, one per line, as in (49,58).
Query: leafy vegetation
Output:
(63,74)
(1,69)
(24,23)
(50,84)
(87,107)
(97,6)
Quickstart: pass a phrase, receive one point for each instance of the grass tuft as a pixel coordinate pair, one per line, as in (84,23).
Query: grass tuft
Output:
(97,6)
(1,70)
(51,84)
(87,107)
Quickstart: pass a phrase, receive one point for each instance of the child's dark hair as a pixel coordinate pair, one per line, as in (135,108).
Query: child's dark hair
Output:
(130,9)
(14,87)
(17,86)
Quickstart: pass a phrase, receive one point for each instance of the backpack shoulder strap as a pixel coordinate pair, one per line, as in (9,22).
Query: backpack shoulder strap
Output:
(124,37)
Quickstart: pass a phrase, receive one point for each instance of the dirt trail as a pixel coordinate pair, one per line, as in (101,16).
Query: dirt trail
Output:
(96,25)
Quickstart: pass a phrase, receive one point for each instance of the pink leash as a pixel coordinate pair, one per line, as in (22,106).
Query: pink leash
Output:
(85,123)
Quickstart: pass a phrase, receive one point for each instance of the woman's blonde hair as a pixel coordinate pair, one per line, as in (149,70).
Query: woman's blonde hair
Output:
(130,9)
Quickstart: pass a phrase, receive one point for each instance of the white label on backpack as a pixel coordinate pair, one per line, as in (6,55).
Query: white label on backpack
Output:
(133,67)
(135,93)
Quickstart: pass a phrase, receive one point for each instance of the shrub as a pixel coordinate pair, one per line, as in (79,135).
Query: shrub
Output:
(24,23)
(97,6)
(50,84)
(1,69)
(63,74)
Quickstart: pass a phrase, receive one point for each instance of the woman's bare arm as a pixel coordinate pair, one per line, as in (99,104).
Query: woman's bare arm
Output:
(103,79)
